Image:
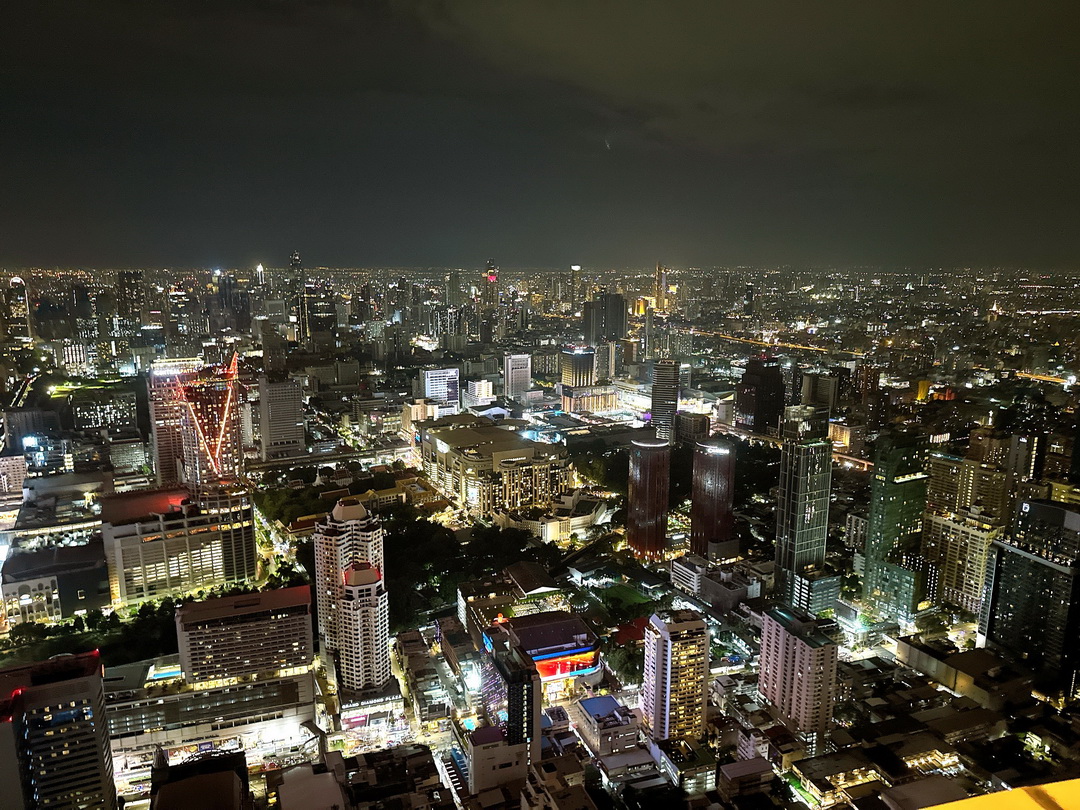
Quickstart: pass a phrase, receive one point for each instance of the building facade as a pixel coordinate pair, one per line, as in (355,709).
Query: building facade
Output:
(675,683)
(647,497)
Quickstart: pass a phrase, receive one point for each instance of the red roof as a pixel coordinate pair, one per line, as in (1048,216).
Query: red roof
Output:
(631,631)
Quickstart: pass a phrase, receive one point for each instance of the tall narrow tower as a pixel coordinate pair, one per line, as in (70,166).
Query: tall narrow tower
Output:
(660,287)
(712,519)
(210,428)
(665,399)
(647,497)
(802,511)
(675,681)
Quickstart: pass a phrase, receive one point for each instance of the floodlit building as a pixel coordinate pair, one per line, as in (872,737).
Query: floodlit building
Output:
(712,519)
(665,399)
(281,419)
(233,636)
(54,741)
(647,499)
(517,375)
(798,673)
(675,683)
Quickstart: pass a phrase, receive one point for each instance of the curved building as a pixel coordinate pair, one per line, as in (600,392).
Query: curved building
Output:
(647,501)
(712,521)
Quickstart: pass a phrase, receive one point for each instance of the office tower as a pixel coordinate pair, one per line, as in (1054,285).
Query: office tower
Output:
(802,510)
(477,394)
(712,521)
(820,390)
(512,694)
(665,399)
(281,419)
(967,508)
(489,286)
(130,300)
(363,649)
(867,381)
(894,582)
(647,499)
(517,375)
(577,367)
(348,536)
(748,301)
(675,681)
(210,428)
(234,636)
(443,386)
(166,439)
(605,319)
(163,542)
(571,293)
(54,738)
(18,321)
(759,396)
(648,338)
(798,673)
(318,315)
(452,293)
(660,288)
(691,428)
(1031,609)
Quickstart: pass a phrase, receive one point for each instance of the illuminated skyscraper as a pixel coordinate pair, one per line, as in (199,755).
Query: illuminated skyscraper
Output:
(210,428)
(665,399)
(798,673)
(281,419)
(517,374)
(894,582)
(18,323)
(660,286)
(443,385)
(1032,605)
(54,735)
(802,511)
(166,439)
(577,367)
(674,685)
(489,286)
(130,300)
(350,594)
(748,301)
(647,500)
(712,521)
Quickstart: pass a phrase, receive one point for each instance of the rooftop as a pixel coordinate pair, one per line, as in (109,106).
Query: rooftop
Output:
(227,606)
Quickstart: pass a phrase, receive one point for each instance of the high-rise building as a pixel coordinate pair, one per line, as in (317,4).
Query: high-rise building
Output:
(820,390)
(605,319)
(956,546)
(660,287)
(511,693)
(798,673)
(665,399)
(1032,605)
(234,636)
(54,738)
(759,396)
(443,385)
(281,419)
(164,542)
(748,301)
(210,428)
(166,439)
(348,537)
(489,286)
(318,315)
(577,367)
(18,322)
(802,510)
(675,682)
(130,300)
(647,498)
(517,375)
(894,582)
(712,519)
(363,649)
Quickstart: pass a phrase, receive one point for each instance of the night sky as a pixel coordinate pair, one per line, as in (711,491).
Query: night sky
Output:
(609,134)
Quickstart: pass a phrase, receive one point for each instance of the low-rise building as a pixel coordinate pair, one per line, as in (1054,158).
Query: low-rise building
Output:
(605,725)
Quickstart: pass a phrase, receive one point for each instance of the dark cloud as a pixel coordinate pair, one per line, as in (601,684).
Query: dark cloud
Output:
(541,132)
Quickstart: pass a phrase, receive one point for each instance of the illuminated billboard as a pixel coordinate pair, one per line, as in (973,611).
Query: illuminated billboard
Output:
(567,665)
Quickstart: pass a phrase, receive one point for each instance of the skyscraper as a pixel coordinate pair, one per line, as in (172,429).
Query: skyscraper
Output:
(1032,605)
(210,428)
(647,499)
(660,288)
(605,319)
(577,367)
(443,385)
(54,737)
(348,536)
(512,693)
(18,323)
(665,399)
(517,374)
(166,439)
(130,300)
(748,301)
(798,673)
(894,582)
(489,286)
(363,651)
(712,521)
(281,419)
(802,511)
(759,396)
(675,681)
